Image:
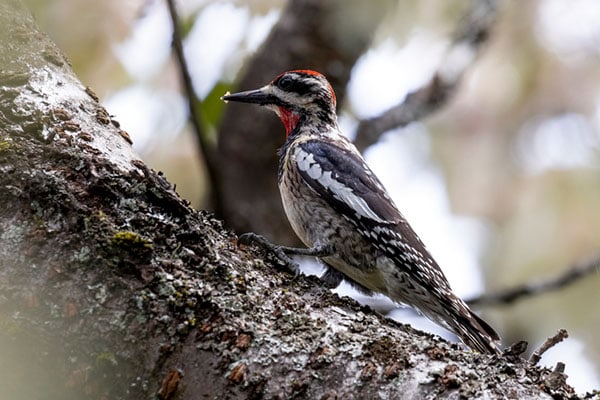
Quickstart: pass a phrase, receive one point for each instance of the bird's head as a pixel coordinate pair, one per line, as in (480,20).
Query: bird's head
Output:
(294,96)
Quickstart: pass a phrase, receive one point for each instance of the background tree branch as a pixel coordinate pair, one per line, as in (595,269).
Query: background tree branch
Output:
(509,296)
(207,149)
(472,32)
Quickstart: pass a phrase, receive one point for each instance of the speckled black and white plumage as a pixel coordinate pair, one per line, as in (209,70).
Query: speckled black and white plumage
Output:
(331,197)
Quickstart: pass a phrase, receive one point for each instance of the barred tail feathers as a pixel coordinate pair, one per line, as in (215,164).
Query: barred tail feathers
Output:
(475,332)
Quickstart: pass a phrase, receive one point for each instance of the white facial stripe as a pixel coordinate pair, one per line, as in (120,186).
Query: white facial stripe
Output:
(306,162)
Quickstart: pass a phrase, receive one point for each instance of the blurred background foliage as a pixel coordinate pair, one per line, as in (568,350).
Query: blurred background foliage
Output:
(515,152)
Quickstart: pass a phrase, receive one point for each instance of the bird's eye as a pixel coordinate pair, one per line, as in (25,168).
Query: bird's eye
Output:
(284,83)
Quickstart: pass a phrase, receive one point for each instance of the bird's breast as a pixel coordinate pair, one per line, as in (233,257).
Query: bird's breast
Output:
(317,223)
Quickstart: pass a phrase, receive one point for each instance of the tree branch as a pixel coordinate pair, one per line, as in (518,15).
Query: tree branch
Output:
(205,147)
(509,296)
(561,335)
(112,287)
(472,32)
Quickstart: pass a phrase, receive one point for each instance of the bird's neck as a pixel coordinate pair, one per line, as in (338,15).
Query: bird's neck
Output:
(306,128)
(293,120)
(289,118)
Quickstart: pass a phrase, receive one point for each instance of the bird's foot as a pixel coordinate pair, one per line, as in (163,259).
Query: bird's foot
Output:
(277,250)
(283,252)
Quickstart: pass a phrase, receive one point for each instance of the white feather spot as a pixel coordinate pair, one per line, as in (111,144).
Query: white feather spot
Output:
(381,229)
(301,159)
(315,171)
(356,203)
(306,162)
(326,180)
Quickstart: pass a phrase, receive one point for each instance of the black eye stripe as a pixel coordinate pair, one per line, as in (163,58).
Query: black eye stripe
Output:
(305,93)
(289,84)
(284,83)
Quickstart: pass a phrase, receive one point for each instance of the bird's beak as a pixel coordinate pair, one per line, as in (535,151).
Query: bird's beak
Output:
(258,96)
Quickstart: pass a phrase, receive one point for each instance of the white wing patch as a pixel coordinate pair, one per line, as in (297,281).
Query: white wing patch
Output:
(306,162)
(315,171)
(304,159)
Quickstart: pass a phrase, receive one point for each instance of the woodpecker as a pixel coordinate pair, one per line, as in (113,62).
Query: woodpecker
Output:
(345,217)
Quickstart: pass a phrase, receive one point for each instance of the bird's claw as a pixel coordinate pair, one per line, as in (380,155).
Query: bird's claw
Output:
(245,239)
(253,238)
(287,260)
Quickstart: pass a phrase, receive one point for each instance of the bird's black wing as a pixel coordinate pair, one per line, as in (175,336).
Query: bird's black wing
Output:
(341,177)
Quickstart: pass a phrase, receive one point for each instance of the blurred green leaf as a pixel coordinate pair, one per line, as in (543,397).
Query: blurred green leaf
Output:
(211,109)
(186,23)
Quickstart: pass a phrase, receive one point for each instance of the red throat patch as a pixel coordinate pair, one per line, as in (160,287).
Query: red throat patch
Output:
(289,118)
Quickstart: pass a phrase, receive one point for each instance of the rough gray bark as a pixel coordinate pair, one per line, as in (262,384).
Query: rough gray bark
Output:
(111,286)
